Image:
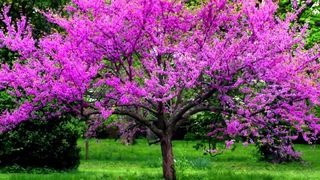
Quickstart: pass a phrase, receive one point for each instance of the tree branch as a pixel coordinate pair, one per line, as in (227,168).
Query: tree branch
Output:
(142,106)
(191,104)
(201,109)
(140,120)
(153,142)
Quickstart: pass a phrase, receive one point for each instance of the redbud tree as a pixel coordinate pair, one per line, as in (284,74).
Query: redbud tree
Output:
(159,63)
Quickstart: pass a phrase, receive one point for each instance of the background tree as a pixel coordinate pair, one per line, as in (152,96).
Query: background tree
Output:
(159,62)
(28,145)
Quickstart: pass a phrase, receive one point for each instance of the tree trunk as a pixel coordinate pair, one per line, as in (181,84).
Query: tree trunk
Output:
(167,158)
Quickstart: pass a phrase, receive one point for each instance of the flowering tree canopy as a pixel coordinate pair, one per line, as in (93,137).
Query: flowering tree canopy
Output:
(159,63)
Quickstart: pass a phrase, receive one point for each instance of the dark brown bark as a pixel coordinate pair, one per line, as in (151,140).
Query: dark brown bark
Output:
(167,158)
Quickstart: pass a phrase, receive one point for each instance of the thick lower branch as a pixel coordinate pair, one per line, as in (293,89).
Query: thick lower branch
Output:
(179,115)
(140,120)
(201,109)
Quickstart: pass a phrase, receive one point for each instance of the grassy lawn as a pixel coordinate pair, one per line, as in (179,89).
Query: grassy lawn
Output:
(110,160)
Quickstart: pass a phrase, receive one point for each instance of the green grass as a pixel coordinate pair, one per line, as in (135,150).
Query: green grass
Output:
(110,160)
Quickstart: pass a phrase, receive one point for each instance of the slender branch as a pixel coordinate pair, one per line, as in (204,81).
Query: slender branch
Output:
(201,109)
(91,113)
(140,120)
(152,103)
(153,142)
(138,105)
(190,105)
(198,109)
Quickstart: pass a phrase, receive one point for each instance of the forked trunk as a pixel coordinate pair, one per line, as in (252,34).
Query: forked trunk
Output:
(167,158)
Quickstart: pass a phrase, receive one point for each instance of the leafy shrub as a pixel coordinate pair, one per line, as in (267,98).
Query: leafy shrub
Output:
(47,144)
(276,154)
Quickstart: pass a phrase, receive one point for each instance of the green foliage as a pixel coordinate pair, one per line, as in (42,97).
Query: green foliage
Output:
(6,101)
(194,3)
(49,144)
(201,125)
(317,111)
(310,15)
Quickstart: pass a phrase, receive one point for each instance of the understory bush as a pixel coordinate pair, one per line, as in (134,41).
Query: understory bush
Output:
(276,154)
(45,144)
